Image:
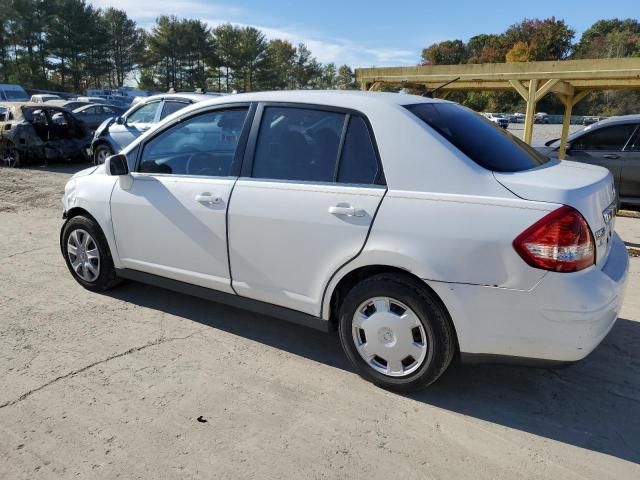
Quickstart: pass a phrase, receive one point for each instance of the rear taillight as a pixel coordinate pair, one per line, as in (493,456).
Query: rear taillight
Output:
(561,241)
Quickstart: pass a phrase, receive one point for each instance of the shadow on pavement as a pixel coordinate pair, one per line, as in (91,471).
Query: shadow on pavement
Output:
(594,404)
(60,167)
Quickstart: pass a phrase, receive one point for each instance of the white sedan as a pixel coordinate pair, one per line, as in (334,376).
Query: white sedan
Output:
(415,227)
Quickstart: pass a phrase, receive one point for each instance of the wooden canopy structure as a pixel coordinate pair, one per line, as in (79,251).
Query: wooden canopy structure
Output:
(569,80)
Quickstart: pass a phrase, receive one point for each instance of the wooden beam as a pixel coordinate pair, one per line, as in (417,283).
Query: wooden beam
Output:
(520,88)
(579,96)
(531,112)
(548,85)
(563,88)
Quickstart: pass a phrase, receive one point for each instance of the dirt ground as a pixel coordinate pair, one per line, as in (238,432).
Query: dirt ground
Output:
(144,383)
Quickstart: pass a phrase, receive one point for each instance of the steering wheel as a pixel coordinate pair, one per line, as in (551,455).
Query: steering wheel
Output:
(204,168)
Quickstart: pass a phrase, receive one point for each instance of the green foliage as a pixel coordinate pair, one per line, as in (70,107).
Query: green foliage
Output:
(449,52)
(546,39)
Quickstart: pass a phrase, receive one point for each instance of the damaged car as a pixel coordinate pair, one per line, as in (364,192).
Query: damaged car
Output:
(39,132)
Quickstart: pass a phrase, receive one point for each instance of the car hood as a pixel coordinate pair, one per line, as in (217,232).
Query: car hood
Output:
(84,173)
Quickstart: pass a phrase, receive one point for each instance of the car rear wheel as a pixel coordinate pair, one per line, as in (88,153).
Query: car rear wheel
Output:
(101,153)
(11,156)
(87,254)
(396,333)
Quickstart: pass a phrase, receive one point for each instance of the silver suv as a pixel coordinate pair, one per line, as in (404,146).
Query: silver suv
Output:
(116,133)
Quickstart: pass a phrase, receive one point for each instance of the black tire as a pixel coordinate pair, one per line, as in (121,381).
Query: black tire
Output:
(102,149)
(12,156)
(441,340)
(106,277)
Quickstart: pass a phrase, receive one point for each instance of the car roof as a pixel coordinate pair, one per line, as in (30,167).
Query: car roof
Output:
(622,119)
(194,97)
(90,105)
(352,99)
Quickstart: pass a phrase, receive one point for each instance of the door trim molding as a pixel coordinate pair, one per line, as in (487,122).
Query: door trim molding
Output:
(237,301)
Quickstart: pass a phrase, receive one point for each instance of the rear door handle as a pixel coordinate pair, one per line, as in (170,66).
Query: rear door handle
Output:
(208,199)
(346,210)
(611,156)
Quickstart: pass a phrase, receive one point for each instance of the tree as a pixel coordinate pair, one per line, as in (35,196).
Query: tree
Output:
(251,54)
(449,52)
(346,80)
(126,44)
(278,71)
(520,52)
(305,67)
(610,39)
(548,39)
(227,38)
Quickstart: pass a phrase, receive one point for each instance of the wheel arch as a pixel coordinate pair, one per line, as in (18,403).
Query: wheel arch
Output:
(349,279)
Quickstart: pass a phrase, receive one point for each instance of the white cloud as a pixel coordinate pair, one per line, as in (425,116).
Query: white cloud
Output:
(325,49)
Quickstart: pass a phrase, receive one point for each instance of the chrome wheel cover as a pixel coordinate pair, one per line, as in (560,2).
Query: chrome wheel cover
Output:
(83,254)
(389,336)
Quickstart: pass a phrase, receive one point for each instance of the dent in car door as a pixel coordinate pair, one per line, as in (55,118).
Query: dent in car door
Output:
(288,234)
(171,220)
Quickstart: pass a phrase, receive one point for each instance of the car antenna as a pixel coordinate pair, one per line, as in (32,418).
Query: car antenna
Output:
(429,93)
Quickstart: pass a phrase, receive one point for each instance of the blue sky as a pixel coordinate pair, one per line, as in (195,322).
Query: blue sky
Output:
(370,33)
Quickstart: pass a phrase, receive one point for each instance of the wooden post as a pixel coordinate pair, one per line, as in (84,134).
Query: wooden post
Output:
(566,121)
(531,111)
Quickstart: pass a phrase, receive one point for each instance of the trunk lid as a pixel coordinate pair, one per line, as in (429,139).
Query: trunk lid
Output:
(587,188)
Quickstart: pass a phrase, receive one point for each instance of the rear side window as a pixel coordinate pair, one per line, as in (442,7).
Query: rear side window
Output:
(171,107)
(478,138)
(298,144)
(608,138)
(359,163)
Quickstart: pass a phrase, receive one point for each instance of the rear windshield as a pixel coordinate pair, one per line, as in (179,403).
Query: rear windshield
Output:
(478,138)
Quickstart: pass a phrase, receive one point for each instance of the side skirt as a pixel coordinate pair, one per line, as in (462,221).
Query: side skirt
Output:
(230,299)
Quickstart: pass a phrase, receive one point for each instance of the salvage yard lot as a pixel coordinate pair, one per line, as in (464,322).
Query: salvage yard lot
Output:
(112,386)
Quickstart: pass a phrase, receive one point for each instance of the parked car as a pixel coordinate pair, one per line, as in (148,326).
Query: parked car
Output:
(93,100)
(516,118)
(69,105)
(38,131)
(542,117)
(116,133)
(411,225)
(44,97)
(589,120)
(10,92)
(94,115)
(612,143)
(498,119)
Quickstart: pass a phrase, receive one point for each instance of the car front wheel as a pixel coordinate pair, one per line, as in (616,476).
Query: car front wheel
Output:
(101,153)
(87,254)
(396,333)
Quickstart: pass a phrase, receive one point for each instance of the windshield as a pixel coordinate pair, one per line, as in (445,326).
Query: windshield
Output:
(478,138)
(15,95)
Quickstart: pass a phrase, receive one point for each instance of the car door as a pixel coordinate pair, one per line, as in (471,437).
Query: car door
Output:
(134,124)
(91,116)
(170,220)
(310,187)
(602,146)
(630,174)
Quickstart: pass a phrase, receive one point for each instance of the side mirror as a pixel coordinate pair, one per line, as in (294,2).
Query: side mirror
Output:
(116,165)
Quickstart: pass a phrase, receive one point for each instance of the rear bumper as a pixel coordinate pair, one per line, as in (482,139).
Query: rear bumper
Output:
(562,319)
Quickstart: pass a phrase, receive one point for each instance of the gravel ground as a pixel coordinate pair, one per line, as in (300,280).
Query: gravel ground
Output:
(112,386)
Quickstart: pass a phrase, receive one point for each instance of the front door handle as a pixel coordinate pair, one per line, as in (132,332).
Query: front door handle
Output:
(208,199)
(612,156)
(346,210)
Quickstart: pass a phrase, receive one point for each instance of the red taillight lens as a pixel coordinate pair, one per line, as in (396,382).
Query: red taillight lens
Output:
(560,241)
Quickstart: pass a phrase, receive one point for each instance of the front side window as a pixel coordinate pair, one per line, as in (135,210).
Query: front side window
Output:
(608,138)
(478,138)
(203,145)
(145,114)
(298,144)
